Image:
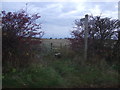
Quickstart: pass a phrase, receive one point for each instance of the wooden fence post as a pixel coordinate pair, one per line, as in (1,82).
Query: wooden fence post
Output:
(86,36)
(51,45)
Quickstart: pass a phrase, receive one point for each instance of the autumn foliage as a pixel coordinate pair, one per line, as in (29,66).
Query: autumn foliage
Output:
(18,32)
(102,37)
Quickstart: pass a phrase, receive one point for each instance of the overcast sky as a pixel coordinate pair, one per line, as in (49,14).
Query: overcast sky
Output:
(57,18)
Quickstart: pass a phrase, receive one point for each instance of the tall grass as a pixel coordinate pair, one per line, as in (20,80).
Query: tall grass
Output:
(61,74)
(65,72)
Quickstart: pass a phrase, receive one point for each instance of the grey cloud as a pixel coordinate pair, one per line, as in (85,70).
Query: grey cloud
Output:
(50,13)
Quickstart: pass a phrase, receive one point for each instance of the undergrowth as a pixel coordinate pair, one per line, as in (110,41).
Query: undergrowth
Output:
(63,72)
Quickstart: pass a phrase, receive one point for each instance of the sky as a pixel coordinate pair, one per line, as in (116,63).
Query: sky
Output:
(57,18)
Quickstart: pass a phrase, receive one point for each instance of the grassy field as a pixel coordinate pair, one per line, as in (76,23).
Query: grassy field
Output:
(56,42)
(65,72)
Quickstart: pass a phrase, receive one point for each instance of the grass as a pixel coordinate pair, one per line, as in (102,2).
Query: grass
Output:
(61,73)
(56,42)
(35,77)
(65,72)
(43,77)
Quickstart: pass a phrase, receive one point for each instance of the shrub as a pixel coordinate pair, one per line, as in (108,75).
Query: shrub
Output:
(100,34)
(18,30)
